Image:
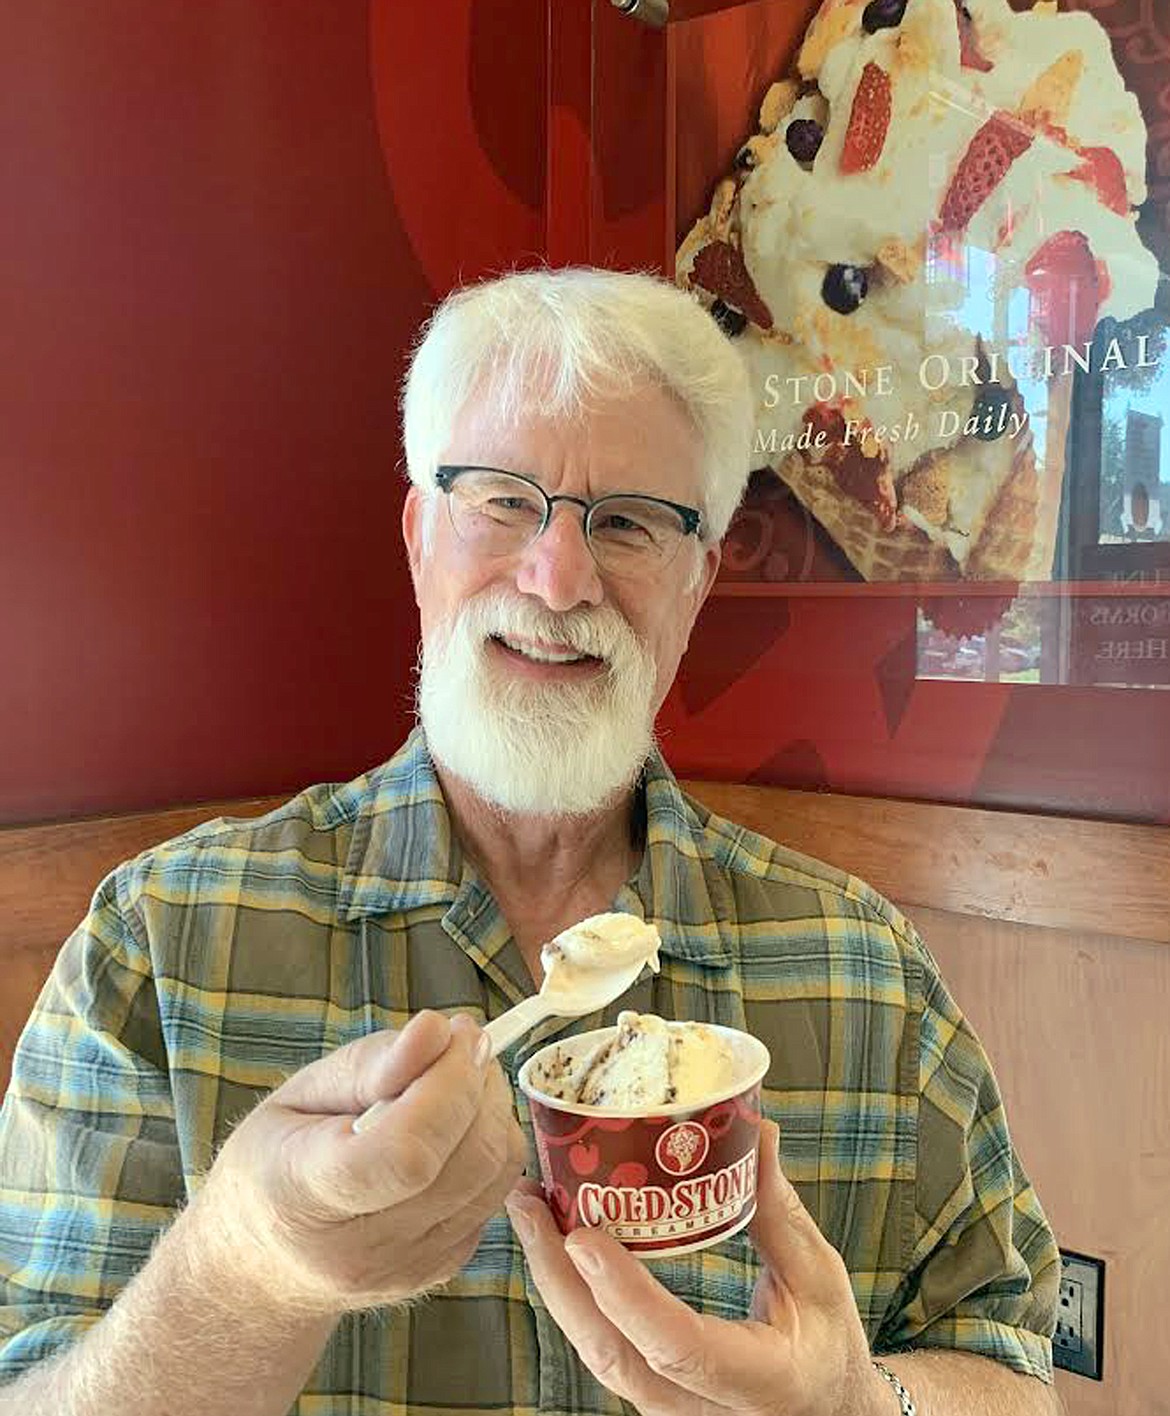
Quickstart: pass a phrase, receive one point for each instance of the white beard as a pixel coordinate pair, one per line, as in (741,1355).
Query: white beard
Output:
(533,748)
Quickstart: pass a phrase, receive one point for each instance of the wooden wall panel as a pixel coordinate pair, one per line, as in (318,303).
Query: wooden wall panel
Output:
(47,876)
(1059,872)
(1076,1026)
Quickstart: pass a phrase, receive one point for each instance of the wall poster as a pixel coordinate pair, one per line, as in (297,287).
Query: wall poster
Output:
(938,232)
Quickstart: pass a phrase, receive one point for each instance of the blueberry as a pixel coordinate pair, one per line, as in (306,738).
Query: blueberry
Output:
(844,288)
(730,321)
(804,137)
(882,14)
(991,399)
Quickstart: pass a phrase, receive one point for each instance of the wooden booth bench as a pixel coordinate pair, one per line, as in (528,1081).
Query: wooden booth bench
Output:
(1053,934)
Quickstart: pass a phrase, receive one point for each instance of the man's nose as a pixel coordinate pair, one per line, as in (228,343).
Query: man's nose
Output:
(559,566)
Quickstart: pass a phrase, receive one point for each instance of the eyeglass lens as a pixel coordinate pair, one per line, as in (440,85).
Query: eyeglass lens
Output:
(499,514)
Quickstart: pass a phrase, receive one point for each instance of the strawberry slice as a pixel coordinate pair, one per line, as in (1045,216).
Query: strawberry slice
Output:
(869,120)
(1102,170)
(1065,282)
(961,616)
(970,56)
(824,418)
(865,479)
(981,169)
(719,268)
(869,481)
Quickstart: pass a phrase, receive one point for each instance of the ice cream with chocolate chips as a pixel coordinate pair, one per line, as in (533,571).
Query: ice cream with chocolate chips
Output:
(646,1062)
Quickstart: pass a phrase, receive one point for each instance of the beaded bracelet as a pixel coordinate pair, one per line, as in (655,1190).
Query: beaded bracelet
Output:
(906,1406)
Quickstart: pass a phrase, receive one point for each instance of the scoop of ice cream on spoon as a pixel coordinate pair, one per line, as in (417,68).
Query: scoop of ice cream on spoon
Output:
(586,967)
(586,955)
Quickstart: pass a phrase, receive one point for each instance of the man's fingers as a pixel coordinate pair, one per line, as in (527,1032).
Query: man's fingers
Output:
(785,1234)
(529,1189)
(608,1354)
(405,1151)
(379,1267)
(667,1333)
(484,1167)
(714,1360)
(568,1299)
(384,1064)
(477,1193)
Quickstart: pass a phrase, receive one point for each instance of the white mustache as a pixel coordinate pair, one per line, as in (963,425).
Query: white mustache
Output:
(600,633)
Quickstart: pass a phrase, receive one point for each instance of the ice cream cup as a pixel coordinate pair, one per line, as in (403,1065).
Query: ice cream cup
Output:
(664,1180)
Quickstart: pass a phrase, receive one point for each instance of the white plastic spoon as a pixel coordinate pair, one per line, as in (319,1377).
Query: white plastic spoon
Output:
(586,967)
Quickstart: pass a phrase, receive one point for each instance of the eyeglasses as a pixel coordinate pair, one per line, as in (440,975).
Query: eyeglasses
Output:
(499,513)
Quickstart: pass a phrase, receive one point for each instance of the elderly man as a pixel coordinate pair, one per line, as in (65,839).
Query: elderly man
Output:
(191,1221)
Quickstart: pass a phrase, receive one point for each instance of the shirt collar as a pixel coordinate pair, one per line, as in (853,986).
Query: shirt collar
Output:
(404,855)
(680,884)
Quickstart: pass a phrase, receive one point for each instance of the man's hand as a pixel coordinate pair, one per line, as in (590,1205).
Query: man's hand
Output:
(803,1351)
(331,1219)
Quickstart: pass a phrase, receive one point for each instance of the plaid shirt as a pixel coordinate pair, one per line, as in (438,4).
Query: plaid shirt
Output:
(211,967)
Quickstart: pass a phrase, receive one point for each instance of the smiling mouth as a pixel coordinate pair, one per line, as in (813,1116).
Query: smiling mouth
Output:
(543,653)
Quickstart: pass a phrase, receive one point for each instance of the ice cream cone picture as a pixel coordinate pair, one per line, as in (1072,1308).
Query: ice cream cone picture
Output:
(912,255)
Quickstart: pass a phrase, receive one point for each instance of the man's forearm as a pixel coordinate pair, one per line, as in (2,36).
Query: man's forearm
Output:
(961,1384)
(190,1336)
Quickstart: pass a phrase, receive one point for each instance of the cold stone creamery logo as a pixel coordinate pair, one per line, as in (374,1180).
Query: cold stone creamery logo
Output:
(688,1208)
(682,1148)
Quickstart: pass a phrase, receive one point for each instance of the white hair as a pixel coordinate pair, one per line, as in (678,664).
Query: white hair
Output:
(555,339)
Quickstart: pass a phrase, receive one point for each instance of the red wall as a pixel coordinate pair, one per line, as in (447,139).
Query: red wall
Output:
(222,225)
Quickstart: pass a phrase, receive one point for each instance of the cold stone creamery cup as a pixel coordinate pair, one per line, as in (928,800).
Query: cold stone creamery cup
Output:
(662,1180)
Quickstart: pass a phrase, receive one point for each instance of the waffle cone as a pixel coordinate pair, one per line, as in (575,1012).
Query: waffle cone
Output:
(1008,548)
(1007,544)
(902,554)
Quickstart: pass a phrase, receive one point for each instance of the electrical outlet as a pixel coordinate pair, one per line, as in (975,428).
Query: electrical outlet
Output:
(1078,1344)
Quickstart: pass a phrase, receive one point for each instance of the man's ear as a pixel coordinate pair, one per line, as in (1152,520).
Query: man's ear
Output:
(413,512)
(712,557)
